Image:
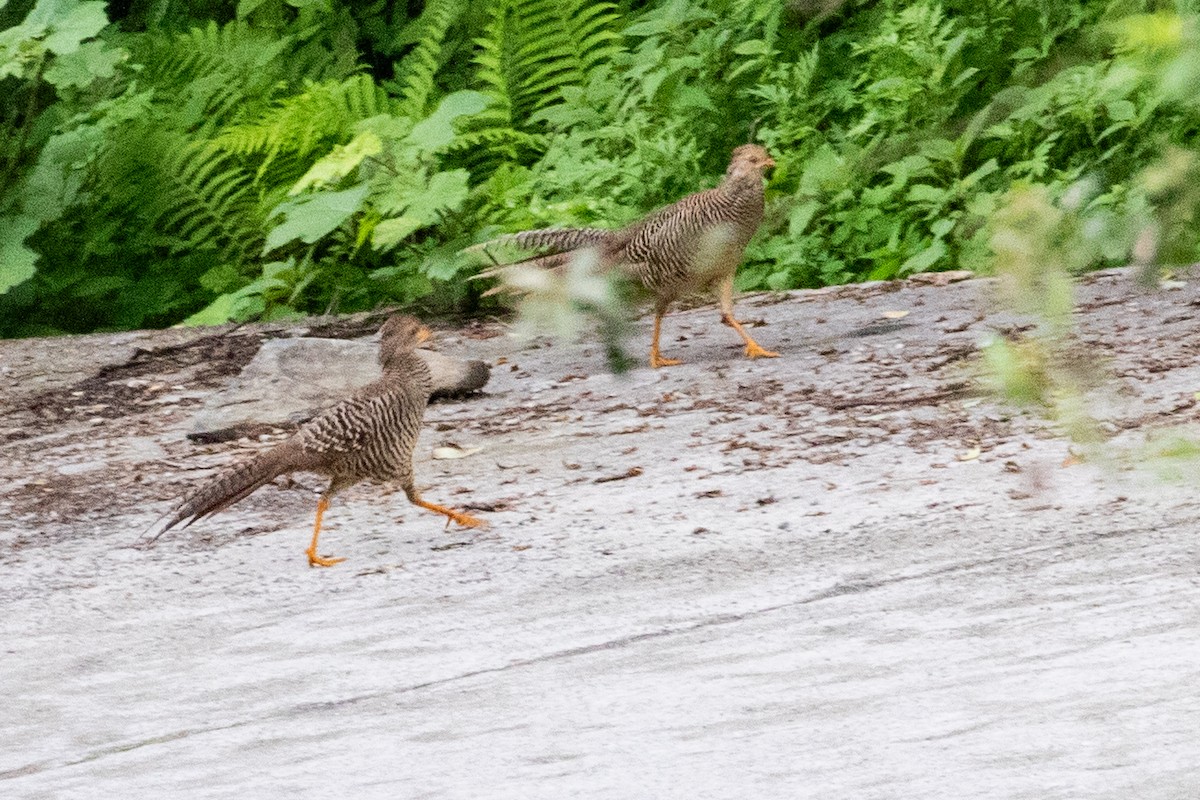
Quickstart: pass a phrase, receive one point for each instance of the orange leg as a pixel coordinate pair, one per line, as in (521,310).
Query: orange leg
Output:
(656,358)
(315,560)
(753,348)
(466,520)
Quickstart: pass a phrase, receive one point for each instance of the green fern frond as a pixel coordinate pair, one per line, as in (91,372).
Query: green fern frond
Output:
(285,137)
(416,71)
(531,49)
(481,150)
(529,52)
(591,34)
(208,202)
(208,74)
(757,18)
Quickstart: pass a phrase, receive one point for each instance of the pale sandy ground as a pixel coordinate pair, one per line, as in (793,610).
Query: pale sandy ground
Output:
(813,588)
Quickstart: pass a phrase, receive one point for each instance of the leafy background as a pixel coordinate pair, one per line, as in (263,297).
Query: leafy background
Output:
(163,161)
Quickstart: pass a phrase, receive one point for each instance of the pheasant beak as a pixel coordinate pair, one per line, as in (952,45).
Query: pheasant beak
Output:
(423,334)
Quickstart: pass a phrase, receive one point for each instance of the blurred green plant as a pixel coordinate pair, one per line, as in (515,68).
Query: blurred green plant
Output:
(1039,243)
(565,303)
(1039,247)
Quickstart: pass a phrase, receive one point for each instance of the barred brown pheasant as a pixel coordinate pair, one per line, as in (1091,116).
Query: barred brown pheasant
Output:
(369,436)
(689,246)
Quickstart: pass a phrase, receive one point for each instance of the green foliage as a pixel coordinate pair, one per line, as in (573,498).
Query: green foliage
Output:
(208,161)
(415,77)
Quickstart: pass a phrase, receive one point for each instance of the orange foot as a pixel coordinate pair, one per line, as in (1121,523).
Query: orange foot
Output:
(315,560)
(466,520)
(657,361)
(754,350)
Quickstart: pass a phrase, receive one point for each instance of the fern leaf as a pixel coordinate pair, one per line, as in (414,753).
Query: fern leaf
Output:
(207,202)
(284,138)
(531,49)
(416,71)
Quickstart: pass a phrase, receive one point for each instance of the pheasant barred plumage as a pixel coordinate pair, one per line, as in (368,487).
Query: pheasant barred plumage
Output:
(689,246)
(369,436)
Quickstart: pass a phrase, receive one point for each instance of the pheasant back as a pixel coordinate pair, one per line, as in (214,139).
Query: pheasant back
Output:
(371,435)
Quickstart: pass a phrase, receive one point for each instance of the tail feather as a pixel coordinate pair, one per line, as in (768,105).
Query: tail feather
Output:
(555,240)
(221,492)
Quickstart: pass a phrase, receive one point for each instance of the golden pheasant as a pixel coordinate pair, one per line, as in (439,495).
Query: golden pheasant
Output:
(369,436)
(692,245)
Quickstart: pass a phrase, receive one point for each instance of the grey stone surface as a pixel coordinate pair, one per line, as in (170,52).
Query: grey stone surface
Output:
(289,380)
(820,576)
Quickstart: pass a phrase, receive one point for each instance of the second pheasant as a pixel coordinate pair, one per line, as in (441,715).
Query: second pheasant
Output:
(692,245)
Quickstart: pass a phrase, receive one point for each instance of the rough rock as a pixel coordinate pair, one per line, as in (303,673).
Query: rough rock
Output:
(289,380)
(839,573)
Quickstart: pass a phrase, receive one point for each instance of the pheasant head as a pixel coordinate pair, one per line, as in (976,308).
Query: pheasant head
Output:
(400,335)
(750,162)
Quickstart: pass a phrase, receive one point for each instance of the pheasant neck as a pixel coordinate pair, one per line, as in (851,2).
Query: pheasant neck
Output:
(408,367)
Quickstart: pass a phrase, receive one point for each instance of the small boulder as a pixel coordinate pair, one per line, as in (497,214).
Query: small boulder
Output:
(290,380)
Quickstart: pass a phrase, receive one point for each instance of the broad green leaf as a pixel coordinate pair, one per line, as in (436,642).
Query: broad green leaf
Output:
(386,126)
(924,259)
(20,49)
(241,305)
(752,47)
(1122,110)
(68,28)
(390,232)
(985,169)
(939,150)
(340,161)
(779,280)
(247,7)
(906,168)
(447,191)
(965,75)
(17,262)
(437,130)
(924,193)
(1157,31)
(397,193)
(93,60)
(649,26)
(687,97)
(801,215)
(221,279)
(443,266)
(883,272)
(312,217)
(58,175)
(824,171)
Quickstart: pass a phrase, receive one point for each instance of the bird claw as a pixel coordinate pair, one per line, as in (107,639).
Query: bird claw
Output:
(467,521)
(315,560)
(756,351)
(657,361)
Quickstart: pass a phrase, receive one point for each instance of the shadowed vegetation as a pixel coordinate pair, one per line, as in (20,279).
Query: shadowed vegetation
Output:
(167,161)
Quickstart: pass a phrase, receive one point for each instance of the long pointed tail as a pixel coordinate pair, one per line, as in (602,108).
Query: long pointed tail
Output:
(549,240)
(220,492)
